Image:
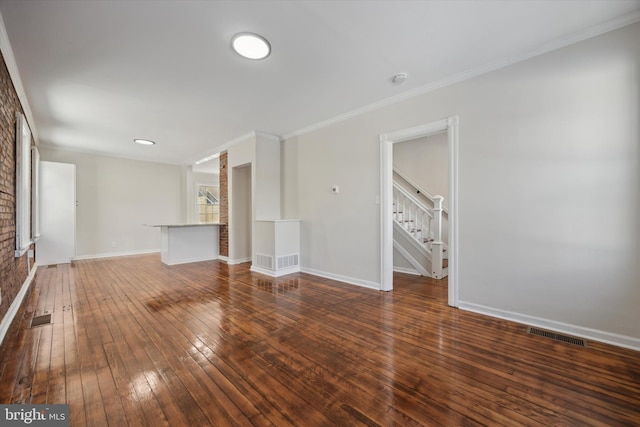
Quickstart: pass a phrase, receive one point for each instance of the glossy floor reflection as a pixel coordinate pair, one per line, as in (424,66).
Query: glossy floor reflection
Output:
(135,342)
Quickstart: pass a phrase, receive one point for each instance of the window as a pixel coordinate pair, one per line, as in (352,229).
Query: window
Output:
(208,204)
(35,193)
(23,185)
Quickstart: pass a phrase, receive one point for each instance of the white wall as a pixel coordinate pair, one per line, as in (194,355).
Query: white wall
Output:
(549,188)
(116,197)
(425,162)
(289,180)
(401,264)
(267,181)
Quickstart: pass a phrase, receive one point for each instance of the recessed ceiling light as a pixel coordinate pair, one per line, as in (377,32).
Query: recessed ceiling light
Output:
(251,46)
(144,141)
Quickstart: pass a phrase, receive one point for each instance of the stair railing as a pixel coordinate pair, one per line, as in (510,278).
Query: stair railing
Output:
(422,223)
(419,189)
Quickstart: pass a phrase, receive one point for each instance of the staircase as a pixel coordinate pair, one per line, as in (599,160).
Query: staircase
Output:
(417,228)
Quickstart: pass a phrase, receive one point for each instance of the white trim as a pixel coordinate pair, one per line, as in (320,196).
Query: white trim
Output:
(411,271)
(340,278)
(588,333)
(450,125)
(255,269)
(225,146)
(115,254)
(386,214)
(453,271)
(421,131)
(17,302)
(35,194)
(237,261)
(14,73)
(20,252)
(577,37)
(223,258)
(23,185)
(272,273)
(190,260)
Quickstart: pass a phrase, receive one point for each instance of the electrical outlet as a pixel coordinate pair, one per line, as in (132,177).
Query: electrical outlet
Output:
(335,189)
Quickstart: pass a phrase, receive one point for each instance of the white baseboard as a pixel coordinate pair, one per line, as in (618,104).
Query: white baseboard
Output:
(17,302)
(579,331)
(190,260)
(405,270)
(340,278)
(237,261)
(116,254)
(272,273)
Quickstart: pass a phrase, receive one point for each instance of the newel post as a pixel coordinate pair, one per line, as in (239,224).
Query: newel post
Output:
(437,246)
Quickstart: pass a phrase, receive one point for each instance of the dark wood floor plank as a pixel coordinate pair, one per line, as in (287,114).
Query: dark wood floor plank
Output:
(135,342)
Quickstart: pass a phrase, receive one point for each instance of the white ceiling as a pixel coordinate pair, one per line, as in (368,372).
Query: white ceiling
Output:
(98,74)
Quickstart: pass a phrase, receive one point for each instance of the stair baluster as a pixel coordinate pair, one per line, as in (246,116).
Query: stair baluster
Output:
(424,225)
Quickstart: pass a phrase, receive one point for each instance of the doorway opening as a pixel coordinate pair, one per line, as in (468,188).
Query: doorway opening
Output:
(448,126)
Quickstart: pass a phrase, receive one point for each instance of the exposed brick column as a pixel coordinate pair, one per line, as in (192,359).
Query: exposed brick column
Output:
(13,271)
(224,206)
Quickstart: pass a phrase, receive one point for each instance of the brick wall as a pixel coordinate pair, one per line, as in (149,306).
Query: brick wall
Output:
(224,206)
(13,272)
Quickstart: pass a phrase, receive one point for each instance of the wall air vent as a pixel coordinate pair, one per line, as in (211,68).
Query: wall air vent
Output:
(556,336)
(264,261)
(288,261)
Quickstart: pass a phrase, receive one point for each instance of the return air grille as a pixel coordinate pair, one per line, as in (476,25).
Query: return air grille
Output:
(264,261)
(556,336)
(288,261)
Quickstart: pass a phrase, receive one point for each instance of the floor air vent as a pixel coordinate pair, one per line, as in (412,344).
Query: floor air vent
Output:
(52,266)
(556,336)
(45,319)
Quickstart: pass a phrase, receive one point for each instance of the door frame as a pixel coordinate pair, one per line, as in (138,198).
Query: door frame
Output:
(450,126)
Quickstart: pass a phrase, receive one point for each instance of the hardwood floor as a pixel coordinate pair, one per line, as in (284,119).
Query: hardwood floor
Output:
(134,342)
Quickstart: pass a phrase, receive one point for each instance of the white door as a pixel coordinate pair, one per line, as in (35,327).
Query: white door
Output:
(57,242)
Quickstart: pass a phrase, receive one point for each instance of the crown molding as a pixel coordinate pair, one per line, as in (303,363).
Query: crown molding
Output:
(231,143)
(220,148)
(556,44)
(10,61)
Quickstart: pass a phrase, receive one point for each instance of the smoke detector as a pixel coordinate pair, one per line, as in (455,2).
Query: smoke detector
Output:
(399,78)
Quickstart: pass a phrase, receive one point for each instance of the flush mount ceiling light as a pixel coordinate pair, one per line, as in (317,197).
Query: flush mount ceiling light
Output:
(144,142)
(251,46)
